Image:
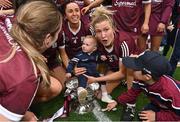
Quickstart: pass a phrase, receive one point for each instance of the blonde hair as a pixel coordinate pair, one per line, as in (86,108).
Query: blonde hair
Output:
(102,14)
(91,37)
(34,21)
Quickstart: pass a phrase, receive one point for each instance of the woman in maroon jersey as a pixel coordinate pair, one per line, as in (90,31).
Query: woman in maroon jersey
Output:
(23,70)
(115,44)
(74,31)
(69,41)
(160,15)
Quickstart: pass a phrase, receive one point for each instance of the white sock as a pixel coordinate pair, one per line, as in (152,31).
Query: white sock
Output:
(103,89)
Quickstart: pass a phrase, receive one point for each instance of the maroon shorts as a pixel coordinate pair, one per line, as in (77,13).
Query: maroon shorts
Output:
(153,24)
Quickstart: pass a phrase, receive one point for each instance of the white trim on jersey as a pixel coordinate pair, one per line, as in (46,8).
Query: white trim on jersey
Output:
(146,1)
(109,50)
(92,31)
(173,83)
(79,28)
(61,47)
(10,115)
(158,94)
(125,49)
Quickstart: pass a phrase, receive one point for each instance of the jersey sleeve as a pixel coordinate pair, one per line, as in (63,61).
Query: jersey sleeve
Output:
(61,40)
(127,45)
(72,63)
(164,115)
(129,97)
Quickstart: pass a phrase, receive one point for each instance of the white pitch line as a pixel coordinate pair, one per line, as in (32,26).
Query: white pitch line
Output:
(100,116)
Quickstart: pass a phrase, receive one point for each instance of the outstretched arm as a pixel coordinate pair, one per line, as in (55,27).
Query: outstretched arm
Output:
(5,12)
(5,3)
(64,56)
(111,77)
(96,3)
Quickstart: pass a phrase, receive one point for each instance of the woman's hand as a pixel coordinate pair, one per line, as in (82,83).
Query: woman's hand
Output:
(5,3)
(79,71)
(103,58)
(68,75)
(91,79)
(84,10)
(148,116)
(161,27)
(145,28)
(111,105)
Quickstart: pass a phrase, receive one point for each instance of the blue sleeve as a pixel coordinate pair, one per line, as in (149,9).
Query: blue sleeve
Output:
(72,63)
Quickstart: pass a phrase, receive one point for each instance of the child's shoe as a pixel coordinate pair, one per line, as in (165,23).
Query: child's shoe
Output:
(82,94)
(94,86)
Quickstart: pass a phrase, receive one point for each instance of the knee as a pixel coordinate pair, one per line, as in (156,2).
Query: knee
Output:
(29,116)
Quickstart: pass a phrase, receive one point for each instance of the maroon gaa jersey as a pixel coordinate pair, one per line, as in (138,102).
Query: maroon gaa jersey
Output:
(164,93)
(127,14)
(72,41)
(18,82)
(124,45)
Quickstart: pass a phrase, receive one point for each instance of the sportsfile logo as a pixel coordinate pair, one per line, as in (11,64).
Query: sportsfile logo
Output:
(124,3)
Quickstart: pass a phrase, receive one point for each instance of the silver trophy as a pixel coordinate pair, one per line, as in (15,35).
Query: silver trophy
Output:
(88,105)
(71,89)
(71,86)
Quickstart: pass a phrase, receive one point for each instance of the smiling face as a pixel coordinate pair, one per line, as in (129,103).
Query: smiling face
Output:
(72,12)
(104,33)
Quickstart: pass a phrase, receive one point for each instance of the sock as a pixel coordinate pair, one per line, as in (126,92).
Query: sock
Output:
(103,89)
